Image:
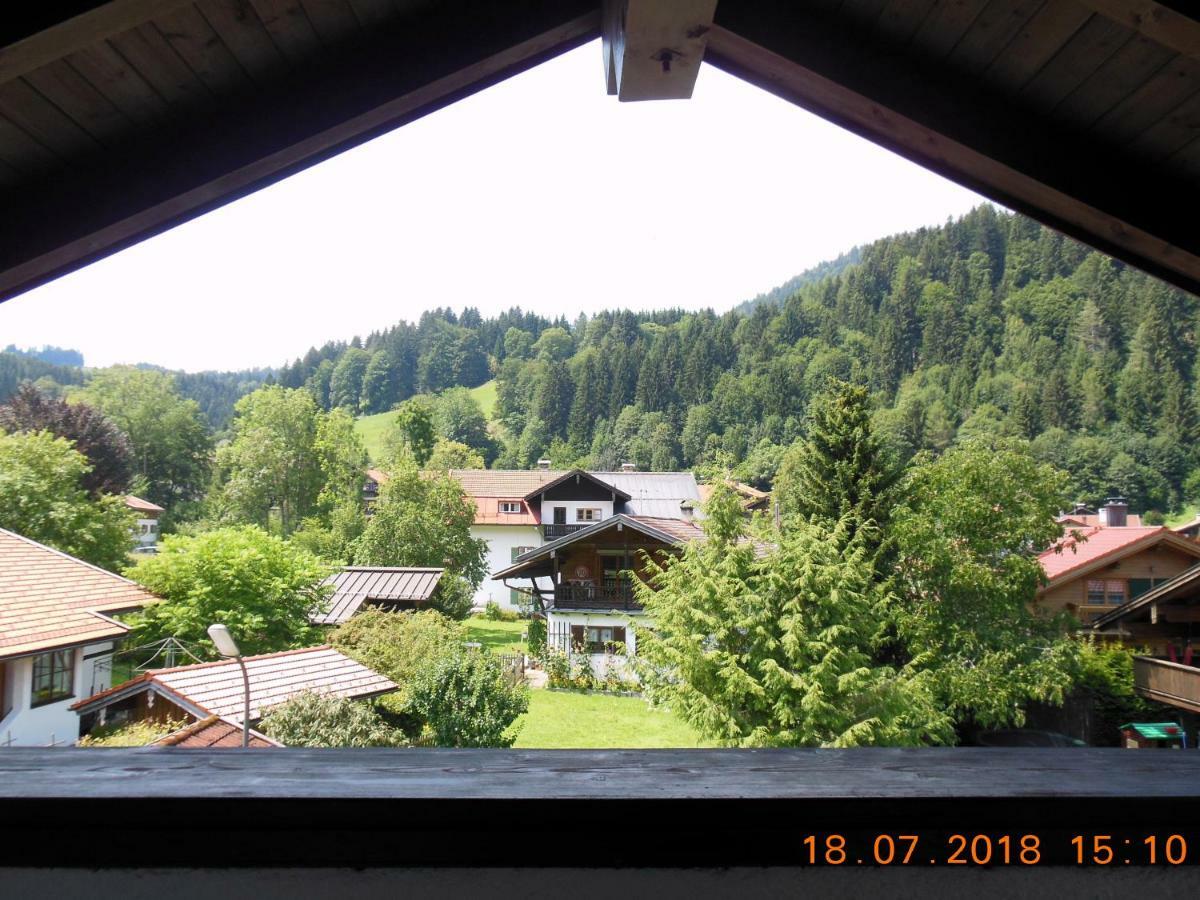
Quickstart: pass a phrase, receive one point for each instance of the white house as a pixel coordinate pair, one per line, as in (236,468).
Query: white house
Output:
(585,581)
(517,511)
(56,638)
(145,531)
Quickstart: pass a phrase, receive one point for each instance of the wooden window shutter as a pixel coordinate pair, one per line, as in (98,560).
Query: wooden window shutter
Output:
(619,634)
(578,637)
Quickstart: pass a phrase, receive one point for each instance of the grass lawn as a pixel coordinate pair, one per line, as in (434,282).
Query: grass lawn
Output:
(1181,518)
(372,430)
(499,637)
(485,396)
(564,720)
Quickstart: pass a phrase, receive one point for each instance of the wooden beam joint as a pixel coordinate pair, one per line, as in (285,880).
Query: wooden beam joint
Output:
(653,50)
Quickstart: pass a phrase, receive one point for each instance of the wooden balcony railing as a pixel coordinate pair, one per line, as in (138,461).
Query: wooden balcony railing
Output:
(1167,682)
(554,530)
(592,596)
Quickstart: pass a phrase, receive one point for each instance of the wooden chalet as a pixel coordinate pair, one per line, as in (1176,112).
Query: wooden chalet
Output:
(196,692)
(585,582)
(1092,570)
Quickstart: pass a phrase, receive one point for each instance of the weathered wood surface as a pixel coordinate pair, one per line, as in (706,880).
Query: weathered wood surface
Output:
(679,808)
(869,773)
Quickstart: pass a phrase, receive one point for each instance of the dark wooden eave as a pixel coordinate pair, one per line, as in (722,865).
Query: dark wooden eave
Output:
(121,119)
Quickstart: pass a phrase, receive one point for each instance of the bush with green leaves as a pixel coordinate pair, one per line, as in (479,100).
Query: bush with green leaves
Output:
(536,637)
(1105,676)
(467,700)
(399,645)
(130,734)
(258,585)
(494,612)
(313,719)
(453,598)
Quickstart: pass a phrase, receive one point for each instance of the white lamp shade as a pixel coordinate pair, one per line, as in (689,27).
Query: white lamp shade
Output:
(226,645)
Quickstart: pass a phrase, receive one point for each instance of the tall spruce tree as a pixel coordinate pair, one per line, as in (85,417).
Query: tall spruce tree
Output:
(841,468)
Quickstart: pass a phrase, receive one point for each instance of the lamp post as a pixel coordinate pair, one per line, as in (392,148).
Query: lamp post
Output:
(228,648)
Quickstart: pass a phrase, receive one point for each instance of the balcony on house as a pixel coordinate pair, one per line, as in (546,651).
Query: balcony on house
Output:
(594,596)
(554,530)
(1167,682)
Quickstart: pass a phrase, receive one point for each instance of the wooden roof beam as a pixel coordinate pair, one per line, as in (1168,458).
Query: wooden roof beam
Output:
(653,50)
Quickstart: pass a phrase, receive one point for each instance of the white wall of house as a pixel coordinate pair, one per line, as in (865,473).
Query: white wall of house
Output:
(28,725)
(145,533)
(571,506)
(502,540)
(556,621)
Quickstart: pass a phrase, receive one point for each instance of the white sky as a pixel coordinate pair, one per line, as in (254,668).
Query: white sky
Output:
(542,192)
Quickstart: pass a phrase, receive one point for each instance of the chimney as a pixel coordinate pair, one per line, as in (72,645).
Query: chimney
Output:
(628,467)
(1114,513)
(543,463)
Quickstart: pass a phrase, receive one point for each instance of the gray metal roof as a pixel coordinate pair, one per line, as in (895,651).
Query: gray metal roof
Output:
(654,493)
(355,585)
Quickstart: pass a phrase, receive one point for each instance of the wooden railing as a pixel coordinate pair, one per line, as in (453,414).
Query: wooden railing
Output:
(553,530)
(1167,682)
(591,596)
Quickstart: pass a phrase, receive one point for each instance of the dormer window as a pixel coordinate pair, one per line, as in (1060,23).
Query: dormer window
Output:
(588,515)
(510,506)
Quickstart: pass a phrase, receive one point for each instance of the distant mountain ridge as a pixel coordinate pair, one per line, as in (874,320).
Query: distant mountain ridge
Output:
(826,269)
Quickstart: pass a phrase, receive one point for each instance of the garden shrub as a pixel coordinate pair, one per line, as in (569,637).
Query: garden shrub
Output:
(535,637)
(312,719)
(467,701)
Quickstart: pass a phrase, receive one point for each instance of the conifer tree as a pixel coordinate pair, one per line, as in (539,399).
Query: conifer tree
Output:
(841,468)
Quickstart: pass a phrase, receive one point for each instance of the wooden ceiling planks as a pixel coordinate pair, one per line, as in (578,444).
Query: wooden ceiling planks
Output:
(334,21)
(148,52)
(1079,58)
(945,25)
(199,45)
(243,34)
(993,30)
(288,25)
(1136,62)
(901,19)
(59,83)
(43,121)
(22,152)
(112,76)
(1157,96)
(1036,42)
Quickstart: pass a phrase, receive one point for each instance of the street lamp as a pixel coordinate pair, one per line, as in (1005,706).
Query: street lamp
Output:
(228,648)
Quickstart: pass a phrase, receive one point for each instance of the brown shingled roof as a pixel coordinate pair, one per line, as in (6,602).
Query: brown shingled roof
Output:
(355,585)
(142,505)
(513,484)
(49,599)
(213,732)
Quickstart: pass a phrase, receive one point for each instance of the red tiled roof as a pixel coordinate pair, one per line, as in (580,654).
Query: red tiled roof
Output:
(1070,555)
(49,599)
(142,505)
(487,512)
(216,687)
(213,732)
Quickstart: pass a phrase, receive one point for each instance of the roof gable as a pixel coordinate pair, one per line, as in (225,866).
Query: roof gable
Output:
(1072,558)
(216,688)
(580,475)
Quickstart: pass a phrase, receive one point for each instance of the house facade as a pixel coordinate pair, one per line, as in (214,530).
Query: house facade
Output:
(1093,570)
(57,638)
(145,529)
(585,581)
(517,512)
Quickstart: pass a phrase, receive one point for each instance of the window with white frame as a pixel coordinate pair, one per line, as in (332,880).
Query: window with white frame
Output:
(510,506)
(588,514)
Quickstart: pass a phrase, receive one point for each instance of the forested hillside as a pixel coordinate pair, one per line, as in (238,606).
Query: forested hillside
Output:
(988,324)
